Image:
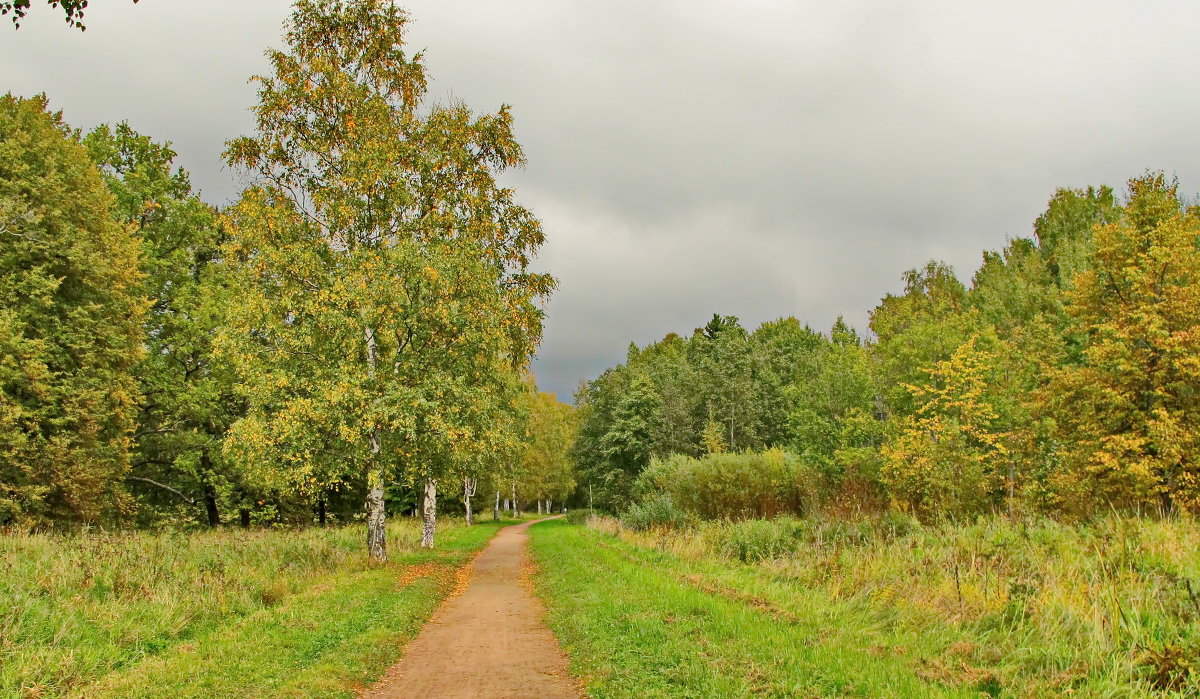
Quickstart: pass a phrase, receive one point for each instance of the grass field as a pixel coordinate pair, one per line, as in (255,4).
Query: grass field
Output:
(288,613)
(795,608)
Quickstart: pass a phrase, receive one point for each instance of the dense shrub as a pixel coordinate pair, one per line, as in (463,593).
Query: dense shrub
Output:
(743,486)
(580,516)
(660,475)
(658,511)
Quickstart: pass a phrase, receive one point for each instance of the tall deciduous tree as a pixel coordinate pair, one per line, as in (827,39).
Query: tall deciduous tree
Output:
(383,271)
(1129,414)
(187,400)
(70,325)
(547,470)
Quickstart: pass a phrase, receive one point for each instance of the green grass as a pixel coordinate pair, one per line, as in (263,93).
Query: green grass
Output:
(215,614)
(639,623)
(1023,609)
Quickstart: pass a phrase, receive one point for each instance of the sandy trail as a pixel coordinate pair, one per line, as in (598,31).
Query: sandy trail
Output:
(488,641)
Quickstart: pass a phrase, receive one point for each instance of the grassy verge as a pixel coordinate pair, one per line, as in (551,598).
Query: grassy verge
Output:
(1023,609)
(215,614)
(640,623)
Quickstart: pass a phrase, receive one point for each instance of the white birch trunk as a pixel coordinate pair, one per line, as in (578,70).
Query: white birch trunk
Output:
(468,493)
(376,515)
(429,513)
(514,498)
(539,507)
(496,508)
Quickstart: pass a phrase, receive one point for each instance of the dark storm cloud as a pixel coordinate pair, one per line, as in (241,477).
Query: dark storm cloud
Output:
(758,159)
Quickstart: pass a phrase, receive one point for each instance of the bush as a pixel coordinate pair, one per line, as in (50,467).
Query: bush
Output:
(742,486)
(580,516)
(659,476)
(659,511)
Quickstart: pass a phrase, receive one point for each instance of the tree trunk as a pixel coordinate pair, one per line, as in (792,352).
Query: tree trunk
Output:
(496,508)
(539,502)
(468,493)
(429,513)
(210,505)
(514,498)
(376,515)
(321,511)
(244,518)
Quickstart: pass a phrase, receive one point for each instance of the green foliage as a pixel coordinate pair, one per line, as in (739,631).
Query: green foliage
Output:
(385,296)
(189,398)
(70,326)
(580,515)
(72,10)
(1128,415)
(656,511)
(943,458)
(546,472)
(746,485)
(1062,380)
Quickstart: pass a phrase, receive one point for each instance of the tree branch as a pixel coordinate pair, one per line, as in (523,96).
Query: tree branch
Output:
(185,498)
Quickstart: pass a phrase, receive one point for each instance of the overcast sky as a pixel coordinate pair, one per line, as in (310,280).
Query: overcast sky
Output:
(749,158)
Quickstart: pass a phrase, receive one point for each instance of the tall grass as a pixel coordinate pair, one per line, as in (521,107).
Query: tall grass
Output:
(1111,608)
(74,607)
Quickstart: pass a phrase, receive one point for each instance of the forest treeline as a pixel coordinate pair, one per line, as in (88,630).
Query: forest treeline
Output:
(1065,379)
(356,327)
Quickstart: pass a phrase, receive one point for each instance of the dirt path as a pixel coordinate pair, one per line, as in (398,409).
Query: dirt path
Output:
(488,641)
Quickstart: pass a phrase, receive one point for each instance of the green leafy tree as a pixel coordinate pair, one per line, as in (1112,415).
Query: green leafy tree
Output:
(1128,416)
(547,472)
(382,272)
(942,459)
(188,402)
(724,367)
(913,331)
(70,326)
(627,444)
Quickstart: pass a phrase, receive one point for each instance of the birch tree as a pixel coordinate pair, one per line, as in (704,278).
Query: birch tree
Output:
(382,271)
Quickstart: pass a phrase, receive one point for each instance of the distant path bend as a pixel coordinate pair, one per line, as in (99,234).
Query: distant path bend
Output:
(488,641)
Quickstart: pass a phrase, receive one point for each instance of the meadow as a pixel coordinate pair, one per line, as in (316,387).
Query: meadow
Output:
(231,612)
(883,606)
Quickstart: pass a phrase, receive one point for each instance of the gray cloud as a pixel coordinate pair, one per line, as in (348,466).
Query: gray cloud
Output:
(753,158)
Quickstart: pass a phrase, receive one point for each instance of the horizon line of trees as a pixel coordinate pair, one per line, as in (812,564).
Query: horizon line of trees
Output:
(1065,379)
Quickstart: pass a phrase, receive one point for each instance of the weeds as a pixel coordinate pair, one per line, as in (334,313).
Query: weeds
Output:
(1110,607)
(74,607)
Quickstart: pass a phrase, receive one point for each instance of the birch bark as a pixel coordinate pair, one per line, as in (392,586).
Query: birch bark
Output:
(429,513)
